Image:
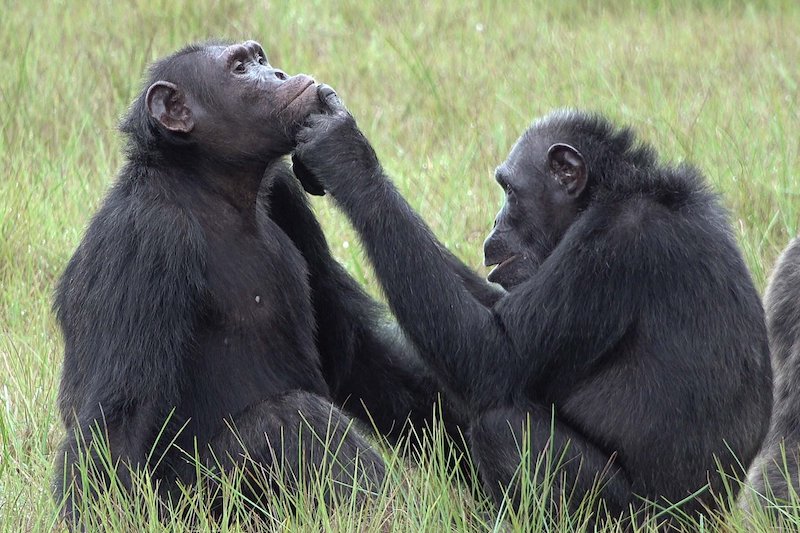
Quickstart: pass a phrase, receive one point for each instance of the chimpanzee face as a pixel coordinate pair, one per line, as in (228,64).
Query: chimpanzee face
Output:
(232,104)
(542,179)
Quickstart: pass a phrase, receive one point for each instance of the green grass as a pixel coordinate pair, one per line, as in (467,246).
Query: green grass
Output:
(442,89)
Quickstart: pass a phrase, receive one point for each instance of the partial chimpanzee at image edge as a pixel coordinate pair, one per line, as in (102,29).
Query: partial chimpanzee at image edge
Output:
(204,292)
(629,315)
(776,473)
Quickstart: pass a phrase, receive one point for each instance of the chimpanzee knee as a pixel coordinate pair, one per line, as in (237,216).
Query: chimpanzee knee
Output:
(518,450)
(294,440)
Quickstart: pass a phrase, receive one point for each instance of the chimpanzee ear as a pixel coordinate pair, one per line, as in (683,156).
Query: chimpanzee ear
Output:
(166,102)
(568,167)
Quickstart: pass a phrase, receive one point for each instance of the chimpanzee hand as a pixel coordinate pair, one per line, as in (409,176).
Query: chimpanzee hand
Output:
(331,151)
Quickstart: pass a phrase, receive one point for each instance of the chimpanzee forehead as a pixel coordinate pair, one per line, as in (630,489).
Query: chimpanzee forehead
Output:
(216,50)
(213,49)
(528,156)
(202,60)
(545,133)
(520,164)
(529,153)
(221,48)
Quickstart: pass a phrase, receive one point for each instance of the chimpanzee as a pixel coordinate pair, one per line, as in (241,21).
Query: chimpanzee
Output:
(204,294)
(630,320)
(777,470)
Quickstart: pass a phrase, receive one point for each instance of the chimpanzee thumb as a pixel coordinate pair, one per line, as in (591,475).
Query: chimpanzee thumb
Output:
(309,182)
(330,100)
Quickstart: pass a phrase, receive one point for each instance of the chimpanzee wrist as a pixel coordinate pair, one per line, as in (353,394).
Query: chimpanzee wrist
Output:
(353,176)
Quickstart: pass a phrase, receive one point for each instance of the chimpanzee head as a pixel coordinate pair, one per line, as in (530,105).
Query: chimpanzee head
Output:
(223,102)
(561,166)
(544,180)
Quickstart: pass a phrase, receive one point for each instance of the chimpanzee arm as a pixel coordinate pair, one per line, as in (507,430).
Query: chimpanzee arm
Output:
(127,305)
(370,366)
(479,351)
(486,293)
(451,328)
(584,298)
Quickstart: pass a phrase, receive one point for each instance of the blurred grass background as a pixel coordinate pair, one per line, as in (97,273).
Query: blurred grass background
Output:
(442,89)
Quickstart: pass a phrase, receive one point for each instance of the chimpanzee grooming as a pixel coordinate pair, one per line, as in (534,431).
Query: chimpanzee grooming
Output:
(629,311)
(780,456)
(204,292)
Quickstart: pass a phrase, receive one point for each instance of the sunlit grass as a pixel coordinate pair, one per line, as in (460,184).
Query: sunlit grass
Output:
(442,89)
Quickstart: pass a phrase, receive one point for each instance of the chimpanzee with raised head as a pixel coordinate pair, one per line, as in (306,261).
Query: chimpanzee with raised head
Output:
(776,473)
(630,319)
(204,293)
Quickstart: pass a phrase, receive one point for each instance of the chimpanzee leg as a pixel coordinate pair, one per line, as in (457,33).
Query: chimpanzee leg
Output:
(287,442)
(577,467)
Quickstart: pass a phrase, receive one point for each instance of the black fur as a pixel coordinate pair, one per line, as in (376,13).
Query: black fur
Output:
(777,470)
(206,295)
(630,313)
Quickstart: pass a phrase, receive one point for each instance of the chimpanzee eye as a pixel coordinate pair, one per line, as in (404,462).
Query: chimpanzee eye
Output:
(511,195)
(262,60)
(238,66)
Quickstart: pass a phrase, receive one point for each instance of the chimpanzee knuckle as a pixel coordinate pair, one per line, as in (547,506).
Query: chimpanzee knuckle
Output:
(318,124)
(308,127)
(340,126)
(300,142)
(305,153)
(320,118)
(307,134)
(345,118)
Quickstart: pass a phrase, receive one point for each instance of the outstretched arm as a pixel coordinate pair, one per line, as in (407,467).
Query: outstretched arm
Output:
(370,366)
(127,304)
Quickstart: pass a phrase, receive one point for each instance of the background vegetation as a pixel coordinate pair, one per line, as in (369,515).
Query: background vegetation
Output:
(442,89)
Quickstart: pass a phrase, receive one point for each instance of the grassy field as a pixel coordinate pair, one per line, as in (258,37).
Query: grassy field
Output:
(442,89)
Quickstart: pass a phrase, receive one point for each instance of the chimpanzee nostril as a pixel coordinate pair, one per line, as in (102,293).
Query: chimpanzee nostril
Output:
(281,75)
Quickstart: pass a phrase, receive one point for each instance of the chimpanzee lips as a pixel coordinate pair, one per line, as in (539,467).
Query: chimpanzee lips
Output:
(307,82)
(501,263)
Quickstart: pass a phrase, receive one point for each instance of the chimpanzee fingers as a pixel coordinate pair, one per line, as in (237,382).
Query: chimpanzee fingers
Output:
(310,183)
(314,125)
(330,100)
